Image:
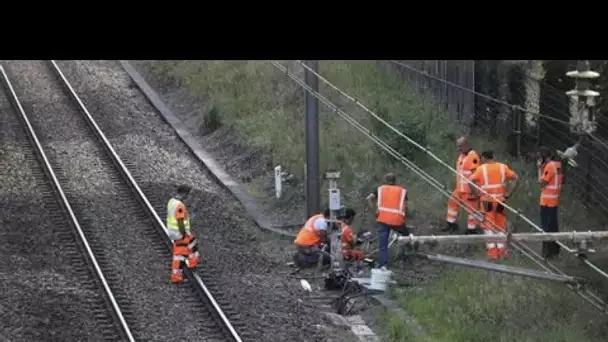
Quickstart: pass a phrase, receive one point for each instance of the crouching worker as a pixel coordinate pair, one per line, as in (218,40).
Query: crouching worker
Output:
(310,241)
(185,250)
(349,240)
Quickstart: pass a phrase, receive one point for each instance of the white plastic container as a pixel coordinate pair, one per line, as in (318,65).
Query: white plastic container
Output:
(380,279)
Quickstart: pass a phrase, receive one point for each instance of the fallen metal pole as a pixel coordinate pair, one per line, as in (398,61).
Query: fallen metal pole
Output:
(503,268)
(469,239)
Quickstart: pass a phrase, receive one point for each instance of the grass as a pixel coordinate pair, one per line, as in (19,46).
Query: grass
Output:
(267,108)
(474,305)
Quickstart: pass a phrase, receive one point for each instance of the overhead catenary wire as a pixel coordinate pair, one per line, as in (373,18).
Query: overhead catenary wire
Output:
(594,267)
(424,149)
(549,86)
(505,103)
(433,182)
(552,131)
(442,162)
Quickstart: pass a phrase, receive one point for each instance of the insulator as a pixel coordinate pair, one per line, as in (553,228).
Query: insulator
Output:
(582,84)
(582,66)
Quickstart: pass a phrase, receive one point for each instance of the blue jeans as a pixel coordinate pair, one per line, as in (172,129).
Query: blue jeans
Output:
(384,232)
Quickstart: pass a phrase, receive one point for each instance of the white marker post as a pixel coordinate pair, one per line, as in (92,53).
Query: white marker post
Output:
(334,207)
(278,181)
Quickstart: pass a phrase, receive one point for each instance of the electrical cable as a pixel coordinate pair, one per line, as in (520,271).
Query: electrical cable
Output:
(551,87)
(485,96)
(548,130)
(432,155)
(594,267)
(433,182)
(424,149)
(512,106)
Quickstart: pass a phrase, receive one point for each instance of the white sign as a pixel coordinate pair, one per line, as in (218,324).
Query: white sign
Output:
(278,180)
(334,199)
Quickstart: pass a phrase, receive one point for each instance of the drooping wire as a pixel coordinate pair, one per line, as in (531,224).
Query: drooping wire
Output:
(424,149)
(432,181)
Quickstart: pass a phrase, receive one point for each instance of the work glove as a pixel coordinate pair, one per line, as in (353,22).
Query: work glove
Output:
(539,162)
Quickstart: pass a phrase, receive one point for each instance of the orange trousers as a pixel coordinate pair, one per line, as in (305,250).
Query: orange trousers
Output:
(185,251)
(454,203)
(353,254)
(494,223)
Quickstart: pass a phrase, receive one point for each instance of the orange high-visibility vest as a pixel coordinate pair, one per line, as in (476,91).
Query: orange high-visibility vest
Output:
(491,178)
(391,205)
(309,235)
(554,177)
(347,236)
(466,165)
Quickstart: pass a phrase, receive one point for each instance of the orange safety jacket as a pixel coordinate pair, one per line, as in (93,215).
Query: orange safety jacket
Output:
(309,235)
(391,205)
(491,177)
(347,236)
(553,175)
(466,165)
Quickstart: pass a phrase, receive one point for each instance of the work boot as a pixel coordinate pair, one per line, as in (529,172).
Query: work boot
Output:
(451,227)
(493,254)
(177,278)
(193,260)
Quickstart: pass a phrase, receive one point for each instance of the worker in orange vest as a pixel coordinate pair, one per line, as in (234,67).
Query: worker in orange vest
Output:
(551,179)
(491,177)
(185,249)
(391,211)
(468,161)
(310,240)
(349,239)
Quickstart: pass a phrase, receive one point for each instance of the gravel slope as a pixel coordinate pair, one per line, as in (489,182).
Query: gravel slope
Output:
(250,272)
(42,295)
(161,309)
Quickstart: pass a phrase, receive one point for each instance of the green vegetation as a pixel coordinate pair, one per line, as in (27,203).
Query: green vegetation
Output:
(266,107)
(474,305)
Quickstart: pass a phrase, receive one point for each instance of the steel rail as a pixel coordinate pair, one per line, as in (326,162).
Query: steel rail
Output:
(193,277)
(66,204)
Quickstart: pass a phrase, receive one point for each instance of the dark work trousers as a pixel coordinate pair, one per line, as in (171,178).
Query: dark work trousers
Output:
(384,231)
(548,222)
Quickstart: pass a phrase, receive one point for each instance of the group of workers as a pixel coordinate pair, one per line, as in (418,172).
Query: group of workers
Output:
(481,189)
(483,186)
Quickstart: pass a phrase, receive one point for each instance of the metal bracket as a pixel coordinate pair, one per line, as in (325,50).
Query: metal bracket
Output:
(583,248)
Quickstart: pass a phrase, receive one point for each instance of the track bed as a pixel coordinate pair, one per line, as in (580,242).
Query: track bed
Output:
(131,252)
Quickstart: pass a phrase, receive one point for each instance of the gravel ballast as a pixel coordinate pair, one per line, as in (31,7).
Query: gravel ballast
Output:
(250,272)
(162,311)
(42,296)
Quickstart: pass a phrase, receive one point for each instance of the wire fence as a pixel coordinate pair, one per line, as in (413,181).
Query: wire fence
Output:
(512,101)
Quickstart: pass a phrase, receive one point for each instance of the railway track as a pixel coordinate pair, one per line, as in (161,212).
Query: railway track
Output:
(124,234)
(60,240)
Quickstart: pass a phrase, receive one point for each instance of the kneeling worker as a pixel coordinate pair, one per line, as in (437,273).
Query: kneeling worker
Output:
(310,238)
(178,228)
(349,240)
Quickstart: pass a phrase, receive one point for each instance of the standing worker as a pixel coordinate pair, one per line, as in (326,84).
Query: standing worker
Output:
(551,179)
(467,163)
(310,239)
(492,176)
(185,249)
(390,213)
